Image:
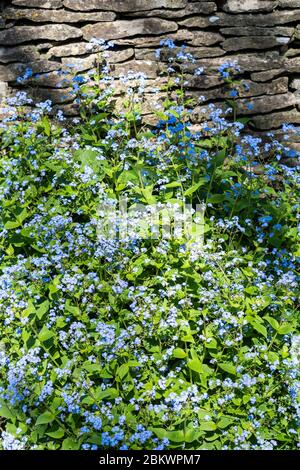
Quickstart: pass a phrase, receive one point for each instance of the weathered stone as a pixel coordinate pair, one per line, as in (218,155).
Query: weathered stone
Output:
(51,79)
(205,38)
(42,16)
(121,29)
(295,85)
(276,87)
(3,90)
(266,75)
(191,9)
(259,20)
(122,5)
(275,120)
(18,54)
(79,64)
(266,104)
(77,49)
(203,82)
(292,65)
(56,96)
(292,52)
(13,71)
(180,35)
(256,31)
(38,3)
(6,74)
(247,62)
(144,66)
(240,6)
(197,52)
(72,49)
(250,42)
(288,3)
(297,33)
(196,22)
(55,32)
(115,57)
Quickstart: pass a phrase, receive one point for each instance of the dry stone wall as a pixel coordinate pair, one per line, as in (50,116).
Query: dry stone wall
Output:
(262,35)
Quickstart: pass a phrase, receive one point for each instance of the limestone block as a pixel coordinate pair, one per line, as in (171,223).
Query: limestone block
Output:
(122,5)
(43,16)
(55,32)
(124,29)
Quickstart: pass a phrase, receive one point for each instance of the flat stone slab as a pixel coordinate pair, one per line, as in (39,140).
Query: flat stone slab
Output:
(240,6)
(259,20)
(53,32)
(13,71)
(275,120)
(250,42)
(197,52)
(258,31)
(205,38)
(56,16)
(123,29)
(248,62)
(38,3)
(266,75)
(123,5)
(139,42)
(196,22)
(267,104)
(147,67)
(17,54)
(204,8)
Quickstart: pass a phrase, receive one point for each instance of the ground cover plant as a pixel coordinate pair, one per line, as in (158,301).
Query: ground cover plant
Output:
(126,340)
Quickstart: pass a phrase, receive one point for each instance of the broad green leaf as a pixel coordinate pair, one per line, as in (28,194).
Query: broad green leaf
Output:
(195,365)
(45,418)
(179,353)
(122,371)
(260,328)
(70,444)
(207,426)
(285,329)
(228,367)
(45,334)
(58,434)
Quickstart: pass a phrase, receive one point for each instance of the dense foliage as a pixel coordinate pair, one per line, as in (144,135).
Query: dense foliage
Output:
(118,340)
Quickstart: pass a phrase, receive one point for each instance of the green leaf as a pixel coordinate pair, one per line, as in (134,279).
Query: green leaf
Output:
(46,126)
(70,444)
(11,224)
(260,328)
(227,367)
(5,412)
(195,365)
(42,309)
(45,334)
(175,436)
(207,426)
(216,198)
(274,323)
(179,353)
(225,421)
(285,329)
(194,188)
(58,434)
(192,435)
(211,344)
(45,418)
(122,371)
